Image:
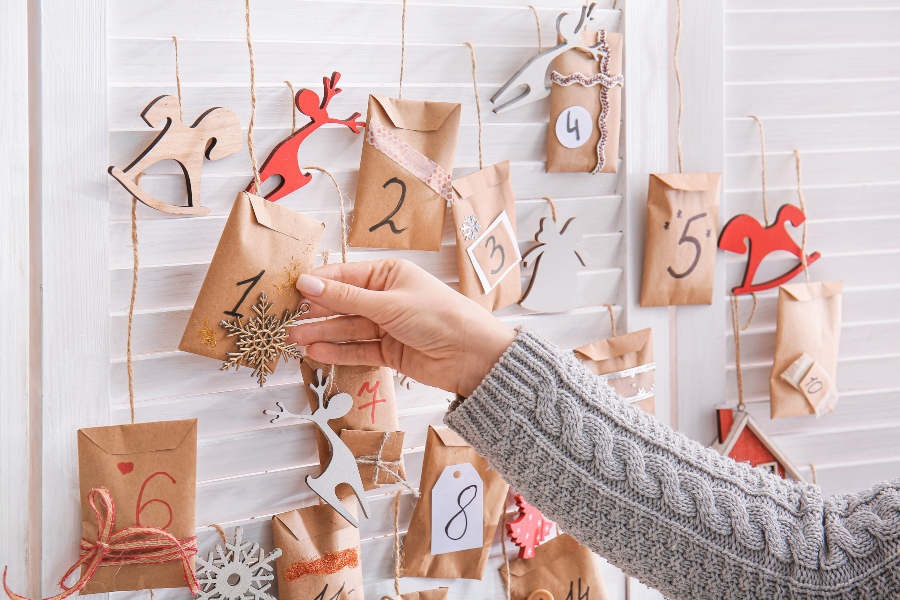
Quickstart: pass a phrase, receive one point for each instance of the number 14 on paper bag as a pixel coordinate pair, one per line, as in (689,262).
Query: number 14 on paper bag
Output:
(457,510)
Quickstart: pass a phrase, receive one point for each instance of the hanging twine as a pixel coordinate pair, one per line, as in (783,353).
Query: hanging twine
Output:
(391,467)
(762,141)
(343,211)
(552,207)
(135,256)
(737,351)
(537,21)
(678,84)
(250,147)
(128,546)
(752,312)
(402,49)
(293,107)
(502,529)
(178,80)
(815,475)
(803,208)
(396,546)
(221,531)
(612,319)
(477,104)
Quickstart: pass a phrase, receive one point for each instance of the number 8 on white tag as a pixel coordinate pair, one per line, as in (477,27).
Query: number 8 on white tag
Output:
(457,510)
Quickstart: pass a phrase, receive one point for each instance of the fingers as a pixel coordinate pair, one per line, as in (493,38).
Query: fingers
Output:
(371,275)
(339,329)
(356,353)
(343,298)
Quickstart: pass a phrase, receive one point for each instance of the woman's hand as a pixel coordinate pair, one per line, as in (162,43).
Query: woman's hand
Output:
(392,313)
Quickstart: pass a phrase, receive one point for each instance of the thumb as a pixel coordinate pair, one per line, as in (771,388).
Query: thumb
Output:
(342,298)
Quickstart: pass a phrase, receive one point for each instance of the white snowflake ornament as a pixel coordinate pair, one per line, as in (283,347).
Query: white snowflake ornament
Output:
(238,572)
(470,227)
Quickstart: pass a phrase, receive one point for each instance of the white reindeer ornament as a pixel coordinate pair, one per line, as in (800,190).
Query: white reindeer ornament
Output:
(533,74)
(342,466)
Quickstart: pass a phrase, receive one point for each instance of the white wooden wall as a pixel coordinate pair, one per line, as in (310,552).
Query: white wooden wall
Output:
(249,469)
(824,79)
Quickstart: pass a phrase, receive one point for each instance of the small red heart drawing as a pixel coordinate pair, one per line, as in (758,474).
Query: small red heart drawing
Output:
(125,467)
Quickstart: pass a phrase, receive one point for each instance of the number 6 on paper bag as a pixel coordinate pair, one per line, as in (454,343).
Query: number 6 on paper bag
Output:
(457,510)
(495,253)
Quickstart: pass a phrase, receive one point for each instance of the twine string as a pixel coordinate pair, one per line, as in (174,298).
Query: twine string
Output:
(402,49)
(552,207)
(762,142)
(397,542)
(293,107)
(735,324)
(221,531)
(815,475)
(612,319)
(342,208)
(135,256)
(178,79)
(537,21)
(391,467)
(752,312)
(250,147)
(678,84)
(477,105)
(802,208)
(502,529)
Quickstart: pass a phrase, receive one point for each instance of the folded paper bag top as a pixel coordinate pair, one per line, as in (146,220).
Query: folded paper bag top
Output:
(562,567)
(626,363)
(440,593)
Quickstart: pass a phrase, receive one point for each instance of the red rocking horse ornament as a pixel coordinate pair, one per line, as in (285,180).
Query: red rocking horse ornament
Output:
(762,241)
(283,159)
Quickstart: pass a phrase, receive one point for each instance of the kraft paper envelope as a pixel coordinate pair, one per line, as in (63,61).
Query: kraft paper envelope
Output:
(562,567)
(404,174)
(626,362)
(150,470)
(440,593)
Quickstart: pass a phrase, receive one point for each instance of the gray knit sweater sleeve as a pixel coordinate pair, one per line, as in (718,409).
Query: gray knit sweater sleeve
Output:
(672,513)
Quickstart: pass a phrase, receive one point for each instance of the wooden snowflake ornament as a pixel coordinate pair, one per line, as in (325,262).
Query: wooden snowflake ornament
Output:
(263,339)
(239,571)
(529,529)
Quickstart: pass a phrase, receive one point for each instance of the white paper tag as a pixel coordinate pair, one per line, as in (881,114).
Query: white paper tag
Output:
(457,510)
(495,253)
(574,126)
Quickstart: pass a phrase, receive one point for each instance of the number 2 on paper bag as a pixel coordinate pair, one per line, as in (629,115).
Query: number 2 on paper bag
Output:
(495,252)
(457,510)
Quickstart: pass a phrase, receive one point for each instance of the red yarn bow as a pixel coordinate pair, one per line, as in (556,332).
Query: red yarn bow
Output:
(129,546)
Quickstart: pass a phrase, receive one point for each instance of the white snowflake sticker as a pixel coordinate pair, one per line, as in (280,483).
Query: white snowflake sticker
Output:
(470,227)
(237,572)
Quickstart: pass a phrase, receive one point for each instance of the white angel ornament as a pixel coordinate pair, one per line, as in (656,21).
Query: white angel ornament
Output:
(554,283)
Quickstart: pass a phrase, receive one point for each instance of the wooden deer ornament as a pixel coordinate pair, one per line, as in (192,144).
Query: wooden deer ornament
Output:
(342,466)
(215,134)
(283,159)
(762,241)
(533,74)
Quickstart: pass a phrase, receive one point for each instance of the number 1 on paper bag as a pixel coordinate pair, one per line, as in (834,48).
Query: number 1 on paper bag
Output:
(495,252)
(457,510)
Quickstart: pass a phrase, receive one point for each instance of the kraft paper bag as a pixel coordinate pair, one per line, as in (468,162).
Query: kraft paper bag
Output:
(379,455)
(440,593)
(372,390)
(320,555)
(575,110)
(809,322)
(404,174)
(682,236)
(562,567)
(484,196)
(444,448)
(625,362)
(150,470)
(263,249)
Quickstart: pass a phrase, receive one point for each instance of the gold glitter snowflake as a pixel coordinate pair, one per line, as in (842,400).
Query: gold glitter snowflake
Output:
(207,335)
(263,340)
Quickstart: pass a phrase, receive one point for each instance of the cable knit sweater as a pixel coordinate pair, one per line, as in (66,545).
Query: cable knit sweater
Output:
(672,513)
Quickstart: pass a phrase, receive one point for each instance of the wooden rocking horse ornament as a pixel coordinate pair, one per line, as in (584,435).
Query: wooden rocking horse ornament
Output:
(283,159)
(762,241)
(215,134)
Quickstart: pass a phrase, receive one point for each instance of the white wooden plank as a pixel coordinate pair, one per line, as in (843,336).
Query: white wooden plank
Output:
(822,202)
(877,443)
(851,478)
(699,329)
(859,60)
(822,132)
(785,98)
(20,536)
(801,26)
(742,172)
(855,269)
(75,279)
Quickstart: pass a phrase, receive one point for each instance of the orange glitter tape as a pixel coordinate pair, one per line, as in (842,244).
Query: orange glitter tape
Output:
(331,562)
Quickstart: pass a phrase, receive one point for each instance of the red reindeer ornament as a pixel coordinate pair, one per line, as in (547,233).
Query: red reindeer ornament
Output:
(762,241)
(283,159)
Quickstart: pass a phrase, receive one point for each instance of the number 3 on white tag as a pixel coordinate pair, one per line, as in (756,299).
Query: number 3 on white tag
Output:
(457,510)
(495,252)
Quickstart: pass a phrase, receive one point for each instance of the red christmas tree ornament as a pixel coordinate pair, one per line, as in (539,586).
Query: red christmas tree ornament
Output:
(283,159)
(529,529)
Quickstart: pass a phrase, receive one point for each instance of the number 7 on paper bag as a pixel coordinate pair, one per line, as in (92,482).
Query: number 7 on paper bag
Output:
(457,510)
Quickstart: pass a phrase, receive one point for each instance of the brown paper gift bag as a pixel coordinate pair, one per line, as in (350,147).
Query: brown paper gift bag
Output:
(263,249)
(484,196)
(443,448)
(682,232)
(626,363)
(562,567)
(440,593)
(576,107)
(809,321)
(372,390)
(320,555)
(379,455)
(150,470)
(404,174)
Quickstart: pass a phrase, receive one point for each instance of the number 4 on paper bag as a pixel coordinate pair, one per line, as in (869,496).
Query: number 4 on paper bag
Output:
(495,252)
(457,510)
